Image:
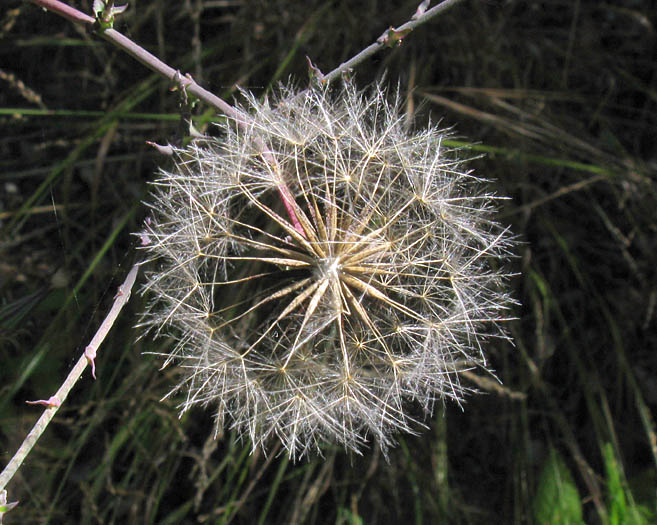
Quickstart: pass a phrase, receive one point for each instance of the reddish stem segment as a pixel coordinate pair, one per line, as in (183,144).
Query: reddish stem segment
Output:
(283,190)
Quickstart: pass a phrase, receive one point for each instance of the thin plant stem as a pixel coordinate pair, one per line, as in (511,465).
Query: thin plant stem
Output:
(144,57)
(380,42)
(65,10)
(54,402)
(188,85)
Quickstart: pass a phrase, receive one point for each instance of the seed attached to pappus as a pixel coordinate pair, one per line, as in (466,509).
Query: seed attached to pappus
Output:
(321,268)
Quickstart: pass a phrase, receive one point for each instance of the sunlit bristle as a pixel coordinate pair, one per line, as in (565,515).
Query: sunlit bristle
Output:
(321,268)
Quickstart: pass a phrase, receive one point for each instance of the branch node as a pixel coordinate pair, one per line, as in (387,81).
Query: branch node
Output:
(105,11)
(180,82)
(392,37)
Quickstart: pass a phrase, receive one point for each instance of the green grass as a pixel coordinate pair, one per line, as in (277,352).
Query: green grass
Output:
(557,103)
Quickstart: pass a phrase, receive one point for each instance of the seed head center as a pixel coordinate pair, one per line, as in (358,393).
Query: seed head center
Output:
(329,268)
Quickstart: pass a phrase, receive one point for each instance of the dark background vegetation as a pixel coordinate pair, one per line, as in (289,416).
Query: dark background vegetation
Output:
(559,101)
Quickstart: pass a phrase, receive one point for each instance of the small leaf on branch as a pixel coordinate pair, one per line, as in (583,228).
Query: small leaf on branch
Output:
(393,37)
(421,9)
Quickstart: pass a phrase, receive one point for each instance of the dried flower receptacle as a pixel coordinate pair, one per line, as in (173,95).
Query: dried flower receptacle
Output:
(321,267)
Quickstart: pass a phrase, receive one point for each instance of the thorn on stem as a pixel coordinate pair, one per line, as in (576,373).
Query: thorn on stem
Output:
(164,150)
(90,354)
(314,72)
(194,133)
(120,293)
(52,401)
(421,9)
(4,506)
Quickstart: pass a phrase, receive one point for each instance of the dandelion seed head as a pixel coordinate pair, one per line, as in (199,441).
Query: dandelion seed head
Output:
(321,268)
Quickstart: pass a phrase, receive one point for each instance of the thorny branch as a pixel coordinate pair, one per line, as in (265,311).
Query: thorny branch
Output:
(144,57)
(187,84)
(384,40)
(55,401)
(421,16)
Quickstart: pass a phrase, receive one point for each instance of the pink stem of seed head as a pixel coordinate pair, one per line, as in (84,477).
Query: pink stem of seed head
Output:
(284,191)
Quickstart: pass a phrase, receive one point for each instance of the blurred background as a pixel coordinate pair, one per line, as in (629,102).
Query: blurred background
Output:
(555,101)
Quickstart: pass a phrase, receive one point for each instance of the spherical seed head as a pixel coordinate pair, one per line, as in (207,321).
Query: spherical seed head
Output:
(321,267)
